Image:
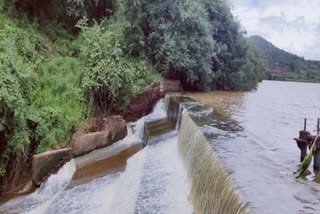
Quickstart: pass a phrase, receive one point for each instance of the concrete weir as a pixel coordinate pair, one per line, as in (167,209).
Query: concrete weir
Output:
(212,190)
(46,163)
(165,166)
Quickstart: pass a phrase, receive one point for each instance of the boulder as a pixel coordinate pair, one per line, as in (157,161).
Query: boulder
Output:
(170,86)
(113,130)
(117,127)
(46,163)
(90,141)
(143,103)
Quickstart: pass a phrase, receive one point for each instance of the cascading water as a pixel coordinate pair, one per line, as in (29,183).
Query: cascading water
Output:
(177,172)
(211,188)
(40,200)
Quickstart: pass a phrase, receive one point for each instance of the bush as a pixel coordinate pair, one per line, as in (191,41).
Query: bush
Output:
(15,87)
(109,75)
(41,101)
(58,100)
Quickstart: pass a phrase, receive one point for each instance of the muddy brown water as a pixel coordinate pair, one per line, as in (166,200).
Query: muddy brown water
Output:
(254,138)
(251,132)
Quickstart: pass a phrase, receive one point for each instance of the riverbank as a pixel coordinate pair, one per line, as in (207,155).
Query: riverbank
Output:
(94,133)
(177,172)
(60,67)
(295,80)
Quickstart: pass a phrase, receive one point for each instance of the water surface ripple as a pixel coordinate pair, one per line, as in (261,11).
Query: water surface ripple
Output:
(253,134)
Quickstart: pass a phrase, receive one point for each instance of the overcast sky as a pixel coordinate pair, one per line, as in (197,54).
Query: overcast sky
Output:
(293,25)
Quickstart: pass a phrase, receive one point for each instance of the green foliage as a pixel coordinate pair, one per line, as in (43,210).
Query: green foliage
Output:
(1,6)
(197,42)
(41,99)
(236,66)
(175,37)
(96,9)
(59,100)
(248,74)
(109,75)
(15,87)
(49,80)
(292,67)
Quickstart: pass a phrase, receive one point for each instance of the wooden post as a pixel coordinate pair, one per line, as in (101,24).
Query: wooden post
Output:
(302,143)
(305,124)
(316,158)
(318,125)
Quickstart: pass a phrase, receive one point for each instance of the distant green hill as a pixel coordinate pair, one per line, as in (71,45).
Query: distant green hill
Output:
(282,65)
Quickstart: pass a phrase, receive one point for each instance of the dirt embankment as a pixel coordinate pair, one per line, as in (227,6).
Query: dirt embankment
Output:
(143,103)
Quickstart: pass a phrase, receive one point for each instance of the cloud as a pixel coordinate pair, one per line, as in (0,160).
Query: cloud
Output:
(293,25)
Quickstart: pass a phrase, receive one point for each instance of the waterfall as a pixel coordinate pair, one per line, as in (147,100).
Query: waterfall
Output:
(50,190)
(176,172)
(166,101)
(211,188)
(57,182)
(121,196)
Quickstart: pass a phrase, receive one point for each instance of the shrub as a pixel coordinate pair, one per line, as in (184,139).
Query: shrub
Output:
(15,88)
(109,75)
(41,101)
(59,100)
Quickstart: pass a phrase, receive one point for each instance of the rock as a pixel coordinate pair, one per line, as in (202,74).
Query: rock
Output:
(90,141)
(143,103)
(43,164)
(28,188)
(113,130)
(116,125)
(170,86)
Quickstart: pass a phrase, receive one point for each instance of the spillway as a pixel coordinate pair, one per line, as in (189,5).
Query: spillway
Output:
(174,171)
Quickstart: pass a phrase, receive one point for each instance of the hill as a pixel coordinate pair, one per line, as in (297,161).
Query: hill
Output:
(282,65)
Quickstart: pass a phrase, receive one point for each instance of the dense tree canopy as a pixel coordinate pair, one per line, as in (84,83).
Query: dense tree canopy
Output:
(197,42)
(175,36)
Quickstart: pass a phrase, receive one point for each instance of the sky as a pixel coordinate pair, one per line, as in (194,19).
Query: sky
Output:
(292,25)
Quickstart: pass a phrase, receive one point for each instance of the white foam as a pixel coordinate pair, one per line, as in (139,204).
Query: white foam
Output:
(120,193)
(158,112)
(51,189)
(164,185)
(121,197)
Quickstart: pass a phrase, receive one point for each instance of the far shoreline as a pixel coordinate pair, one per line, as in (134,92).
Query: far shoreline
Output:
(294,80)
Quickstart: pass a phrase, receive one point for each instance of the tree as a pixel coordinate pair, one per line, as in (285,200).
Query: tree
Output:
(176,38)
(235,65)
(197,42)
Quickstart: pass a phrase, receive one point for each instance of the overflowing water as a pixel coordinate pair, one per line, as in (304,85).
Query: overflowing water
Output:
(211,188)
(214,161)
(40,200)
(254,139)
(153,181)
